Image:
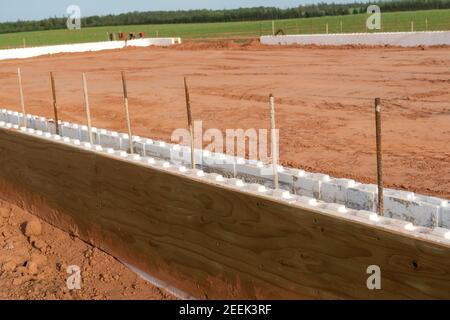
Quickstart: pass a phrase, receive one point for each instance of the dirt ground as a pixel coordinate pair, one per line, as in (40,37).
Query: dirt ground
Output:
(324,100)
(34,261)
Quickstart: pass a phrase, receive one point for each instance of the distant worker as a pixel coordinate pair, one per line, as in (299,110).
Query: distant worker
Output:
(131,36)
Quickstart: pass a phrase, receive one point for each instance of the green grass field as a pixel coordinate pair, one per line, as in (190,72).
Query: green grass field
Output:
(395,21)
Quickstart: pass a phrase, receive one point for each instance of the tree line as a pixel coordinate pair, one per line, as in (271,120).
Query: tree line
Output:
(229,15)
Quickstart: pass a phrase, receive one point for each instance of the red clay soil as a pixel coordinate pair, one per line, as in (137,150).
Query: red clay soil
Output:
(324,100)
(34,258)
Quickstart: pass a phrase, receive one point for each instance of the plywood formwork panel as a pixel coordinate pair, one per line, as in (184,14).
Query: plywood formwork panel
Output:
(210,240)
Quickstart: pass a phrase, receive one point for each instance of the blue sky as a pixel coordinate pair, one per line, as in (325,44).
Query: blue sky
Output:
(12,10)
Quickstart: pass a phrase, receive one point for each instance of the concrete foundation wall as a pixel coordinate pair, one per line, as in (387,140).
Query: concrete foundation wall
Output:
(419,210)
(22,53)
(403,39)
(216,237)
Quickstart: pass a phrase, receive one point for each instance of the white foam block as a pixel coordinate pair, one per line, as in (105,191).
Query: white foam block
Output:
(333,193)
(180,154)
(109,139)
(362,197)
(433,200)
(246,168)
(310,184)
(221,161)
(31,120)
(124,144)
(139,146)
(444,217)
(3,115)
(51,127)
(84,134)
(157,149)
(12,117)
(404,39)
(40,124)
(419,213)
(71,131)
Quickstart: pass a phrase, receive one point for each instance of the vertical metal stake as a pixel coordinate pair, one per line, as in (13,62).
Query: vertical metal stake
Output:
(379,157)
(127,112)
(274,142)
(191,128)
(22,101)
(88,111)
(55,105)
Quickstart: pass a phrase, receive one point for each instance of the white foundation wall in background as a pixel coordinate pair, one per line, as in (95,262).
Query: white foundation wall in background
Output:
(402,39)
(22,53)
(407,206)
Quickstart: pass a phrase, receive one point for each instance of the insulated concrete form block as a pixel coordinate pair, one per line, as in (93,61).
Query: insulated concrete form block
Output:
(139,146)
(284,195)
(21,119)
(109,139)
(251,170)
(244,167)
(209,159)
(3,114)
(84,134)
(220,162)
(22,53)
(95,135)
(124,142)
(404,39)
(433,200)
(443,210)
(158,149)
(8,116)
(31,119)
(15,118)
(213,162)
(336,191)
(285,176)
(399,193)
(362,197)
(41,124)
(310,184)
(444,217)
(203,158)
(199,155)
(180,154)
(417,212)
(51,127)
(70,130)
(12,117)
